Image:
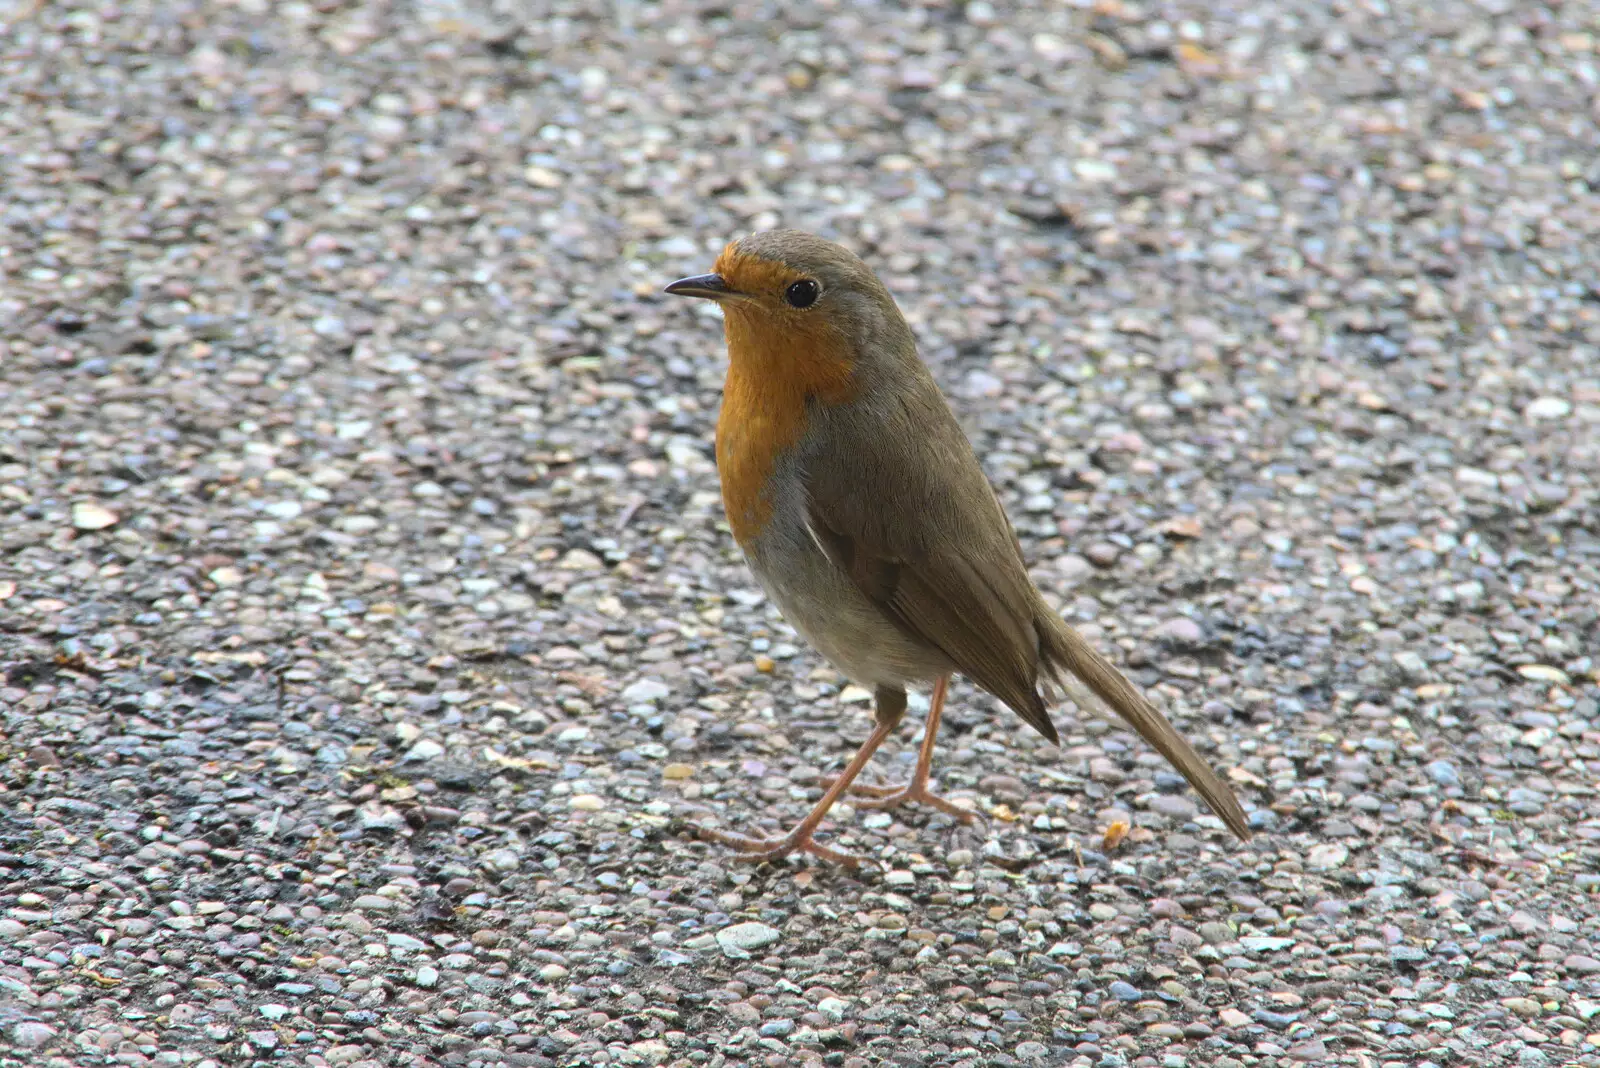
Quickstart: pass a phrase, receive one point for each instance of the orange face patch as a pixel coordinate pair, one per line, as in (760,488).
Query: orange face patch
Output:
(752,274)
(778,359)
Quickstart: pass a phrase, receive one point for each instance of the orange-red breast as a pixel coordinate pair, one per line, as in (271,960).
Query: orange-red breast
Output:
(864,513)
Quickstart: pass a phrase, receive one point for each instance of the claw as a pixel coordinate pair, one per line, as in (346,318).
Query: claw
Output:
(911,791)
(863,789)
(886,797)
(758,850)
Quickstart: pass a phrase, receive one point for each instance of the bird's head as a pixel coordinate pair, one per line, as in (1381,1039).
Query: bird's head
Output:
(795,303)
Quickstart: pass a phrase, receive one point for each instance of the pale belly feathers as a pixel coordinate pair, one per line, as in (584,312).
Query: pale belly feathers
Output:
(825,606)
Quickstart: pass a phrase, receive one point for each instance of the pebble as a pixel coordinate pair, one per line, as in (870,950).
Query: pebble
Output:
(1181,630)
(375,817)
(1102,554)
(1175,806)
(741,939)
(502,860)
(1443,772)
(1548,408)
(1524,1007)
(424,750)
(579,560)
(833,1008)
(1411,664)
(646,691)
(1314,1050)
(30,1034)
(1327,856)
(89,515)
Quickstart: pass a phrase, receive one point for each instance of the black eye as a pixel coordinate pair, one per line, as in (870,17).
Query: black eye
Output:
(802,294)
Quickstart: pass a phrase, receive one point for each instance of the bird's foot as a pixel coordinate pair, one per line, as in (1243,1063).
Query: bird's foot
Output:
(756,850)
(885,797)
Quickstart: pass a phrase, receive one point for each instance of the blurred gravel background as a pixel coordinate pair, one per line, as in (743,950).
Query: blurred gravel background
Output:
(369,627)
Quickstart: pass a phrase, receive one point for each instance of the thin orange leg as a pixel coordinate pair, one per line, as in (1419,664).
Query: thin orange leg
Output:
(891,706)
(917,788)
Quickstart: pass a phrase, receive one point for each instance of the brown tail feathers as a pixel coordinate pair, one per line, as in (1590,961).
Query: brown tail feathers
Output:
(1068,659)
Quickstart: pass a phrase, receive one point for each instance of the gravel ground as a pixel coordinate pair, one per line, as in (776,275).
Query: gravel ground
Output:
(370,629)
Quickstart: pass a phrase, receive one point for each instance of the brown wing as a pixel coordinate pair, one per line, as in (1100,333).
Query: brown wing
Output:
(925,540)
(948,603)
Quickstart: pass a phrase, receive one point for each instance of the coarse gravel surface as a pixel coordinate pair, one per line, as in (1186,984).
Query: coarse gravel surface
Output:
(370,631)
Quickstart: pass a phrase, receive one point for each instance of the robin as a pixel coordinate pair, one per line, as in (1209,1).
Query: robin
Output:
(862,510)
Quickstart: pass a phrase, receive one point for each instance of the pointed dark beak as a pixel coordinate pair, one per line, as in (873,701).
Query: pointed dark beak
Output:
(710,286)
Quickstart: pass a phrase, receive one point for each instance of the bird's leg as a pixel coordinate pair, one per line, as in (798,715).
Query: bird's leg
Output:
(891,706)
(917,788)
